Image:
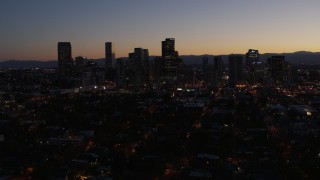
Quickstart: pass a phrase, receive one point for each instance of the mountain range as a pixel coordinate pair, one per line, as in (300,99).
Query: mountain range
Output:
(301,57)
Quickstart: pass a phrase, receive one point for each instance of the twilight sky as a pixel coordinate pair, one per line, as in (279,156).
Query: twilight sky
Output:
(31,29)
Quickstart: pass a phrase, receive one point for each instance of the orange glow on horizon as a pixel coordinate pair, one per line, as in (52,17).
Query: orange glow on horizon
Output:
(95,50)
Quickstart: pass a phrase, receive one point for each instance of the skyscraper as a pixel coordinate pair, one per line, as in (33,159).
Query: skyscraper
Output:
(80,63)
(252,57)
(205,61)
(217,69)
(65,62)
(253,66)
(157,69)
(169,58)
(109,55)
(120,70)
(235,63)
(279,69)
(258,75)
(139,62)
(110,65)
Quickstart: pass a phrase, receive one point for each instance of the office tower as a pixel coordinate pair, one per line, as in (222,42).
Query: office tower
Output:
(110,55)
(146,72)
(258,75)
(235,63)
(92,74)
(120,69)
(217,69)
(157,69)
(139,63)
(65,62)
(110,66)
(169,58)
(253,66)
(279,69)
(205,62)
(80,64)
(81,61)
(252,57)
(276,68)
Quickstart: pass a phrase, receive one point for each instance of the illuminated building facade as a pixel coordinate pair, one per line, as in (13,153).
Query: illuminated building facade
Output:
(169,58)
(253,66)
(252,57)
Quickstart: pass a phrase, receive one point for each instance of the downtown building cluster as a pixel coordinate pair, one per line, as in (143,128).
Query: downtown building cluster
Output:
(138,70)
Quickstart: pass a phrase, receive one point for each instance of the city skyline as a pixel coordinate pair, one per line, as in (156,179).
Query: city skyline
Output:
(30,30)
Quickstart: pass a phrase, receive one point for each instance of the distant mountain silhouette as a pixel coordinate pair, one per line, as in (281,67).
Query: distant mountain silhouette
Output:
(299,57)
(28,64)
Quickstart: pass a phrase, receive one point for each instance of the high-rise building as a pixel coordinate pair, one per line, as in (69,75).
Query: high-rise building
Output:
(217,69)
(252,57)
(81,61)
(120,69)
(146,72)
(259,71)
(253,66)
(157,69)
(169,58)
(109,55)
(235,64)
(139,62)
(110,63)
(279,69)
(65,62)
(205,63)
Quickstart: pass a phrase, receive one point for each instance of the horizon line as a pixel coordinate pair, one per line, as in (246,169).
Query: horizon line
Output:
(48,60)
